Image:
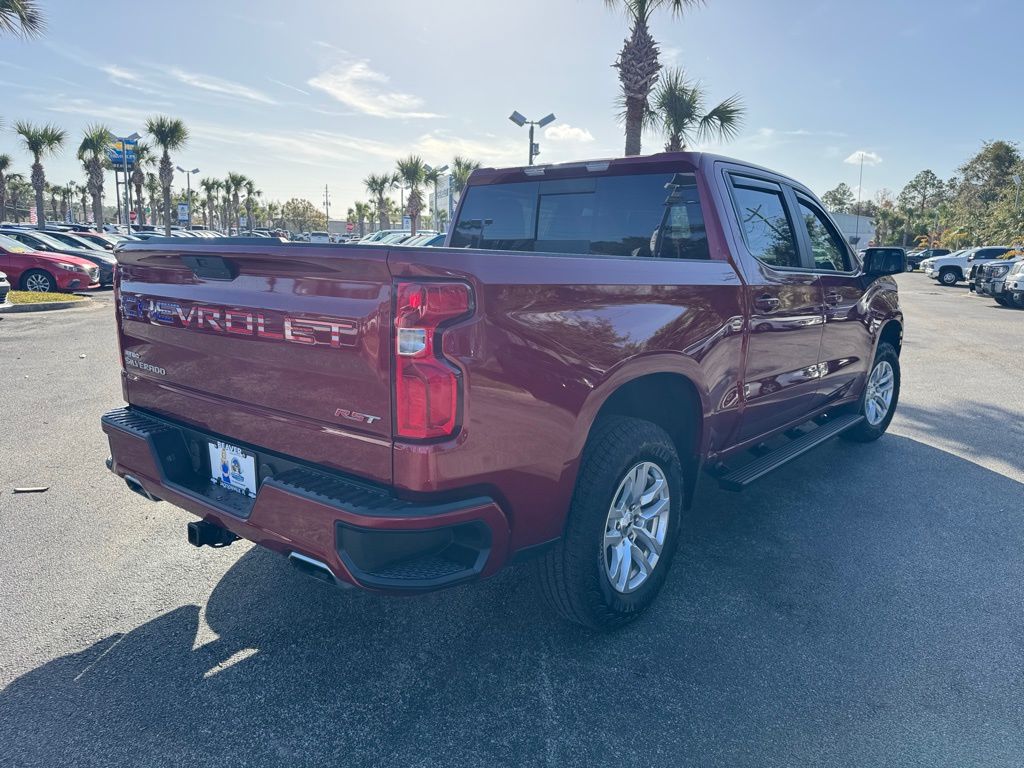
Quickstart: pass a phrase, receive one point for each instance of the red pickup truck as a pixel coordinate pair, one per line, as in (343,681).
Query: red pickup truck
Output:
(548,385)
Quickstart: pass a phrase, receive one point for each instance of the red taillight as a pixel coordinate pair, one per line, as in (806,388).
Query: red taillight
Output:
(426,386)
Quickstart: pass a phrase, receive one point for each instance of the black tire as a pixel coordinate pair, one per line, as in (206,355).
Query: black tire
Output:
(865,432)
(573,575)
(1002,302)
(948,276)
(35,279)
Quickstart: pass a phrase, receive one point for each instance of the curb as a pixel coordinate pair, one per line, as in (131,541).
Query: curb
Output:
(43,306)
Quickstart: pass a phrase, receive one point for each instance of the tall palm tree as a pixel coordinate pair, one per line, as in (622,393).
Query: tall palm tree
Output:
(144,158)
(169,134)
(21,17)
(411,171)
(462,167)
(40,141)
(83,195)
(5,166)
(225,209)
(210,187)
(273,211)
(153,192)
(638,63)
(19,190)
(53,190)
(92,152)
(679,111)
(234,184)
(378,185)
(361,211)
(251,193)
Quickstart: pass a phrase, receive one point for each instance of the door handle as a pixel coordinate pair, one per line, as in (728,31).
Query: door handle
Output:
(767,303)
(833,297)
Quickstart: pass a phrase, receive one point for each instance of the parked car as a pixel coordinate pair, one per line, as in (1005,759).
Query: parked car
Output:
(46,243)
(319,237)
(5,287)
(424,240)
(990,280)
(45,272)
(955,267)
(975,265)
(73,239)
(547,385)
(1014,286)
(104,241)
(373,237)
(914,259)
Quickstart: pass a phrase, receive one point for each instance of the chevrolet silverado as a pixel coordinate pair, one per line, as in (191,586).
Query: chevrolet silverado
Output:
(547,386)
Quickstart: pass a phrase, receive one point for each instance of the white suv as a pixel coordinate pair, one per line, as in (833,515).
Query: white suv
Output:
(951,269)
(1014,288)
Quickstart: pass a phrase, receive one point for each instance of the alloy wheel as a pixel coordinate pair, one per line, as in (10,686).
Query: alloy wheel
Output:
(38,283)
(880,389)
(636,527)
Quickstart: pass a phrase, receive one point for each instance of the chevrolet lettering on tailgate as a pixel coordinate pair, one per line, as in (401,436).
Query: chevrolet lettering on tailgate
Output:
(238,321)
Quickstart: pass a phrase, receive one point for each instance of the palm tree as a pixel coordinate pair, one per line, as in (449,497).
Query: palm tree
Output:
(361,211)
(638,63)
(21,17)
(679,111)
(144,158)
(83,195)
(53,191)
(153,192)
(40,141)
(92,152)
(412,172)
(273,210)
(19,190)
(5,166)
(234,184)
(210,187)
(225,209)
(250,194)
(462,167)
(169,134)
(378,185)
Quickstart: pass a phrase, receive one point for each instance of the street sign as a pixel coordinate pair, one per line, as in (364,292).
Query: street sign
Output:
(406,222)
(183,213)
(349,226)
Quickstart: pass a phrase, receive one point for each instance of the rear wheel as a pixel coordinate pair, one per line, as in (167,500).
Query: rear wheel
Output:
(1001,301)
(38,281)
(623,526)
(948,276)
(881,394)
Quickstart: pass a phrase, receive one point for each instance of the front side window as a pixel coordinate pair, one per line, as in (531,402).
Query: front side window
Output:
(766,226)
(649,215)
(827,247)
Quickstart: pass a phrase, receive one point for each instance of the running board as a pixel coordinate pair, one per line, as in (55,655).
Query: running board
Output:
(758,468)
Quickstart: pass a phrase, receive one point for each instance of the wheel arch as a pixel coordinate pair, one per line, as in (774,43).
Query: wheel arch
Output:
(669,396)
(892,333)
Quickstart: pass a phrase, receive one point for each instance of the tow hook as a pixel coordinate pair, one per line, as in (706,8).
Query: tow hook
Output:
(210,534)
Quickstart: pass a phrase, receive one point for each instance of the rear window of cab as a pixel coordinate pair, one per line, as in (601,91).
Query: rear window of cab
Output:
(636,216)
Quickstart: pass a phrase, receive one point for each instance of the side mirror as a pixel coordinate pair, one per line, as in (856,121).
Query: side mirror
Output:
(881,263)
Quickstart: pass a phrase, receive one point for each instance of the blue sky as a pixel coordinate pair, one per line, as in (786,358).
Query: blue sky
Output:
(309,92)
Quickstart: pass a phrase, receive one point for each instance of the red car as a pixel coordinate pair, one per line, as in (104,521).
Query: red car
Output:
(30,270)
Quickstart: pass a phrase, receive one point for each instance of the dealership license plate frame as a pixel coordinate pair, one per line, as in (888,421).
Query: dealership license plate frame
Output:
(238,473)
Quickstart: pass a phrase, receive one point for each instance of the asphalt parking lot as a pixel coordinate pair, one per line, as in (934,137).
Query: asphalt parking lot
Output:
(862,606)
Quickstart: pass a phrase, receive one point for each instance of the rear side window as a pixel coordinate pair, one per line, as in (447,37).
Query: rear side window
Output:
(766,227)
(642,216)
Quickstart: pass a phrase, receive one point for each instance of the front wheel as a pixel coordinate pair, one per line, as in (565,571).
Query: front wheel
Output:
(38,281)
(623,526)
(878,400)
(1001,301)
(948,277)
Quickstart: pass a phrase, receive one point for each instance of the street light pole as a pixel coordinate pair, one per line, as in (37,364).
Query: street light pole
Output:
(520,120)
(188,193)
(860,191)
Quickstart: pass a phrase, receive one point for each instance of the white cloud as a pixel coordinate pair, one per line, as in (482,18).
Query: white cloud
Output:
(566,132)
(291,87)
(869,158)
(217,85)
(117,73)
(358,86)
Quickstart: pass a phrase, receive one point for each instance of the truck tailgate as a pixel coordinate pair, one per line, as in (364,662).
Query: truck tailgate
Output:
(282,346)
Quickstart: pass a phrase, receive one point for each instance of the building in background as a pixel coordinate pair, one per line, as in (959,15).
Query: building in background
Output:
(859,231)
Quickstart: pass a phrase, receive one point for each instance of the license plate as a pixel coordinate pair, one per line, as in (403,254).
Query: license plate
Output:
(232,468)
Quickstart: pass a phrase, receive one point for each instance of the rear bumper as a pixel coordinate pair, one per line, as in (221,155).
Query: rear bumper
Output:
(366,536)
